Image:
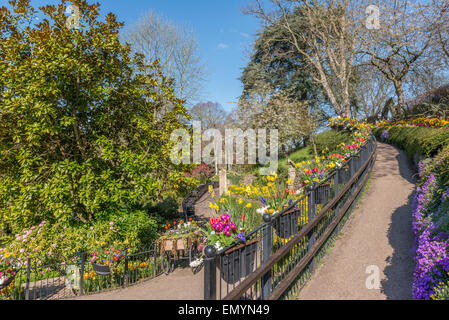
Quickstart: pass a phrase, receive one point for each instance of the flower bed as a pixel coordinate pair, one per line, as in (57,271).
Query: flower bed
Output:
(431,228)
(418,122)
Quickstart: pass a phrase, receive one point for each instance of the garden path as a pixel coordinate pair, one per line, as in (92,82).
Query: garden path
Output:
(378,234)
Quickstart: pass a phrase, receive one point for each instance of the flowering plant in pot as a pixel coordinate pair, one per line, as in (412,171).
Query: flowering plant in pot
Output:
(312,173)
(237,261)
(180,236)
(103,258)
(271,197)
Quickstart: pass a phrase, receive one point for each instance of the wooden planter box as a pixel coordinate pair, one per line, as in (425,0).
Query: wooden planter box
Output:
(177,244)
(322,193)
(238,262)
(286,224)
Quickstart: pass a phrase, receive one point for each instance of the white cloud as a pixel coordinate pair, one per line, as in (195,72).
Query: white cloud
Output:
(222,46)
(243,34)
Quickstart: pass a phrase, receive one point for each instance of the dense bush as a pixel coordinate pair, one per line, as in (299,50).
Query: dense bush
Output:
(331,139)
(53,243)
(426,142)
(85,124)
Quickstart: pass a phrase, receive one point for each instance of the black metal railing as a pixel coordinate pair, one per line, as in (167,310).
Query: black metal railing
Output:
(35,281)
(283,251)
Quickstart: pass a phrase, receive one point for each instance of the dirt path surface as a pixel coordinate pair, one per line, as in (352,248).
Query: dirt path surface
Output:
(378,234)
(179,285)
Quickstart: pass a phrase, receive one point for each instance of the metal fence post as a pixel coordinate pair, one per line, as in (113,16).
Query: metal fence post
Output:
(210,273)
(27,286)
(336,181)
(125,270)
(82,274)
(266,242)
(311,215)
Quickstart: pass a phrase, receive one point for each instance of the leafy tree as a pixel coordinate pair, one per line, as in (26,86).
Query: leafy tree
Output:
(79,139)
(274,61)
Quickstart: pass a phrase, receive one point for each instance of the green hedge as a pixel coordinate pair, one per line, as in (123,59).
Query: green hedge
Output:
(331,139)
(426,142)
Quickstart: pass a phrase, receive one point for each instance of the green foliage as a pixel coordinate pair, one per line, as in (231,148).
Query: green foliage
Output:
(427,142)
(54,243)
(165,211)
(84,124)
(424,141)
(330,139)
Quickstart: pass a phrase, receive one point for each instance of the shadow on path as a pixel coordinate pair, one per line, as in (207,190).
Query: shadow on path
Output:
(399,279)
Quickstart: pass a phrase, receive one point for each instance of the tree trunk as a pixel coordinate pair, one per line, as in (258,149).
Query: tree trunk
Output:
(400,109)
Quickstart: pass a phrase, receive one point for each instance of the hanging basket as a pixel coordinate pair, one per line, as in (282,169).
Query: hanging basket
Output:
(286,224)
(238,262)
(101,270)
(7,282)
(344,176)
(321,193)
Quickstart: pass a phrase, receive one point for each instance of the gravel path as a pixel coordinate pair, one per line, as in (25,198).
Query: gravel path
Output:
(179,285)
(378,234)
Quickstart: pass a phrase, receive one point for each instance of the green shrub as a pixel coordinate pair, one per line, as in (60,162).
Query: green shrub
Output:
(331,139)
(58,242)
(427,142)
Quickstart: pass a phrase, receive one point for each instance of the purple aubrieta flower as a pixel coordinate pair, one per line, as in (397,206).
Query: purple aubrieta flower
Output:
(385,134)
(432,246)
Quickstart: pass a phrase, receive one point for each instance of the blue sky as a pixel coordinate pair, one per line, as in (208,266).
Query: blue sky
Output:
(224,35)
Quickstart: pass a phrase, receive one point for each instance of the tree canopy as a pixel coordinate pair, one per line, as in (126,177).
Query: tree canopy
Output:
(79,139)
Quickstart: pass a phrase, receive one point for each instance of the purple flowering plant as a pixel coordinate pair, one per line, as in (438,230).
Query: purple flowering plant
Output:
(431,228)
(223,232)
(385,135)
